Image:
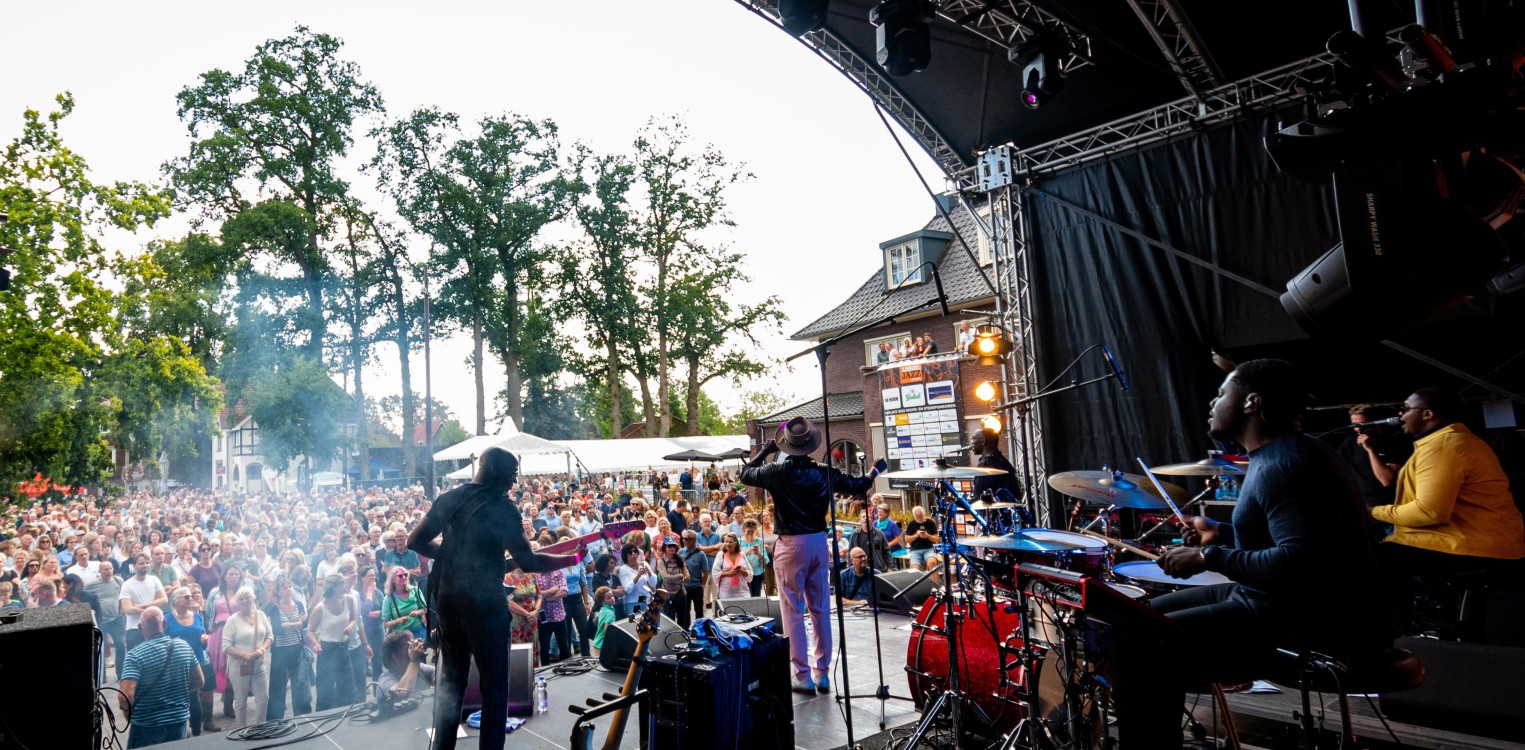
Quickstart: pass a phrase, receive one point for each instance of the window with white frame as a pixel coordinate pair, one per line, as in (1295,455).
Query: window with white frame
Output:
(884,350)
(902,263)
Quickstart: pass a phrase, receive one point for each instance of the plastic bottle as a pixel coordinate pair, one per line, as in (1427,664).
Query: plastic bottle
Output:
(542,696)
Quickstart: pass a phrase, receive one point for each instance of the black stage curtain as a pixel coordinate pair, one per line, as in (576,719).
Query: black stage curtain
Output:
(1215,196)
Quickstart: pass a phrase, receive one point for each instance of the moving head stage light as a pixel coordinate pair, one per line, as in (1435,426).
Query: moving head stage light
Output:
(1426,162)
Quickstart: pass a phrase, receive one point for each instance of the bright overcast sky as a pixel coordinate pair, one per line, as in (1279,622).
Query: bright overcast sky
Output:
(830,183)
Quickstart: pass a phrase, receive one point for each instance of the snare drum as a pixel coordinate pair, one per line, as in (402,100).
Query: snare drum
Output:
(1081,553)
(1147,575)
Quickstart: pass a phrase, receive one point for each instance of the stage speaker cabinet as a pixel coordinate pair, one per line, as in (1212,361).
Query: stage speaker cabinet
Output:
(756,606)
(58,645)
(620,641)
(901,591)
(521,682)
(737,700)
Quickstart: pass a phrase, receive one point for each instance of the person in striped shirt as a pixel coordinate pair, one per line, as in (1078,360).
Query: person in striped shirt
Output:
(157,679)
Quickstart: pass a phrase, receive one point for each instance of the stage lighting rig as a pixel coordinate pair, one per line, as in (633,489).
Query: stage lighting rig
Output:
(801,17)
(992,423)
(903,35)
(985,391)
(1427,162)
(1039,57)
(990,344)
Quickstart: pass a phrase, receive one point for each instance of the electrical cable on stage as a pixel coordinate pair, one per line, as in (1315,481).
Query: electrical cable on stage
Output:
(321,724)
(568,667)
(104,710)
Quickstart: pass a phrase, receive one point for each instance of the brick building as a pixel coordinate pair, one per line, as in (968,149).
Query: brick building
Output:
(857,435)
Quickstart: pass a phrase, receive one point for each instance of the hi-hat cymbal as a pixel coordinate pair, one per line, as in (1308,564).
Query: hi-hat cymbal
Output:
(1023,542)
(1207,467)
(982,505)
(942,472)
(1106,488)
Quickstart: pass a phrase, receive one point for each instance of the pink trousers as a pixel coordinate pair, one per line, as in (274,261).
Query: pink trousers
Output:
(802,566)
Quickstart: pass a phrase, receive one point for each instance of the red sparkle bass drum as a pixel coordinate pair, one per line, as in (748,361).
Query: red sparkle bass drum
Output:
(990,644)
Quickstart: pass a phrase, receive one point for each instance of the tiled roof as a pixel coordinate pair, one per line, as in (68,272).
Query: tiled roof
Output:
(960,276)
(843,405)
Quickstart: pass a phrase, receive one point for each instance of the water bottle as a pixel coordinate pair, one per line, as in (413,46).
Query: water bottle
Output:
(542,696)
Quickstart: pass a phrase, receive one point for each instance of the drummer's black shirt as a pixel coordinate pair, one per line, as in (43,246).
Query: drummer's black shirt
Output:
(994,482)
(801,496)
(1299,533)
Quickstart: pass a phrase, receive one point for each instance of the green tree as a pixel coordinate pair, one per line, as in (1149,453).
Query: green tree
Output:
(301,413)
(597,284)
(263,159)
(684,189)
(83,371)
(714,339)
(755,403)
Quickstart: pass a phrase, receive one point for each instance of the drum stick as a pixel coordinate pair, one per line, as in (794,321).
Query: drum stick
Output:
(1163,494)
(1146,554)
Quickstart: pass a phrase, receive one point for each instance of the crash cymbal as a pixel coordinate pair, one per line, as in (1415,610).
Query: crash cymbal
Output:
(1107,488)
(942,472)
(1207,467)
(1021,542)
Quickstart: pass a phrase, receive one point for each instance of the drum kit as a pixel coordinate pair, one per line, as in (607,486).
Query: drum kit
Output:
(1015,605)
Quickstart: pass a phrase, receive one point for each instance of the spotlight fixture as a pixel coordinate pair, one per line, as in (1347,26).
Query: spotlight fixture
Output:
(989,344)
(1039,56)
(992,423)
(985,391)
(902,35)
(801,17)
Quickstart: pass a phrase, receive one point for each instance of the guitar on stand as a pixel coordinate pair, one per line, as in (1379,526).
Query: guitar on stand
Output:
(647,623)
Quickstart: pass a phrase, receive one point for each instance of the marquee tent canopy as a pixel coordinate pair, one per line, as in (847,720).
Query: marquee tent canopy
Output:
(636,454)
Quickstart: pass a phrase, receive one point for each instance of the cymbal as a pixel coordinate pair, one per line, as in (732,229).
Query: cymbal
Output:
(1104,488)
(942,472)
(1207,467)
(1021,543)
(982,506)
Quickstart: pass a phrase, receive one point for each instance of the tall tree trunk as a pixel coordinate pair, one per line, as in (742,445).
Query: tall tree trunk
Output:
(404,348)
(515,385)
(664,383)
(363,432)
(643,376)
(476,366)
(693,396)
(616,404)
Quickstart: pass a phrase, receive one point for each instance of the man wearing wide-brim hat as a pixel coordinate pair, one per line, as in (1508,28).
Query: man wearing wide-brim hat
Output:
(802,491)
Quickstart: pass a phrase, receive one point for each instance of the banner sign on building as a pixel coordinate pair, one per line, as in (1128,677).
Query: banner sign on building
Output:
(923,414)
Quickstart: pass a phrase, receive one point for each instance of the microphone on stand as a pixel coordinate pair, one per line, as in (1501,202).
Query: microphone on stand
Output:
(1115,369)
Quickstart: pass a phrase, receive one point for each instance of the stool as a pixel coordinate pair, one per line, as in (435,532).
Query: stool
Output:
(1463,594)
(1389,671)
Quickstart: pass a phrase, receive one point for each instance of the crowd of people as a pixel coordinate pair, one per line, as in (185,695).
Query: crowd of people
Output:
(294,603)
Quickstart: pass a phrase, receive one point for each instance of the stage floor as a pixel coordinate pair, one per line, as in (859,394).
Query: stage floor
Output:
(818,722)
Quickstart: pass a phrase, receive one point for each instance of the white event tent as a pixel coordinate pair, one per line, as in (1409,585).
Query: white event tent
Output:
(540,456)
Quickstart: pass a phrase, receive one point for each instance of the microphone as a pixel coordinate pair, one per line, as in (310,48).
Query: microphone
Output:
(1115,370)
(942,298)
(1375,423)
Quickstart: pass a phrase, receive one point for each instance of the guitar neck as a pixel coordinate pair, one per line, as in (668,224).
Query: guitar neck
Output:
(632,681)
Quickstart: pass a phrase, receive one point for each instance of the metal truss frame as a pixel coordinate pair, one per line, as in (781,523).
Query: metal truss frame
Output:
(1172,31)
(1009,23)
(1272,88)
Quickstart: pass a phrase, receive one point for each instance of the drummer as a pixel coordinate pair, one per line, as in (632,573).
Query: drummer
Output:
(984,443)
(1297,553)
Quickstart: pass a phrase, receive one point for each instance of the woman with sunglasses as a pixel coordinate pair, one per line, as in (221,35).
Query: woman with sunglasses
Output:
(185,622)
(732,572)
(403,608)
(207,571)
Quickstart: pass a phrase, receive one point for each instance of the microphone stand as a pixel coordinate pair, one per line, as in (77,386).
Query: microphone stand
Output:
(822,351)
(1022,406)
(882,693)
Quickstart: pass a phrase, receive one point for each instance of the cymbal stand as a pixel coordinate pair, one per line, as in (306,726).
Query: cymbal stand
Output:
(1212,484)
(1031,733)
(1105,518)
(952,699)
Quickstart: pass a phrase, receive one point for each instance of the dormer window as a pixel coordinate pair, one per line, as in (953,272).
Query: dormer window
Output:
(902,263)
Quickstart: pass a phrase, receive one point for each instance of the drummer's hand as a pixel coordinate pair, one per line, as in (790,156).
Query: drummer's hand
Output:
(1182,562)
(1200,531)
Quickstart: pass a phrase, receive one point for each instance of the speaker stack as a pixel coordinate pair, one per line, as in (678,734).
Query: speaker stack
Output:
(620,642)
(56,647)
(521,682)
